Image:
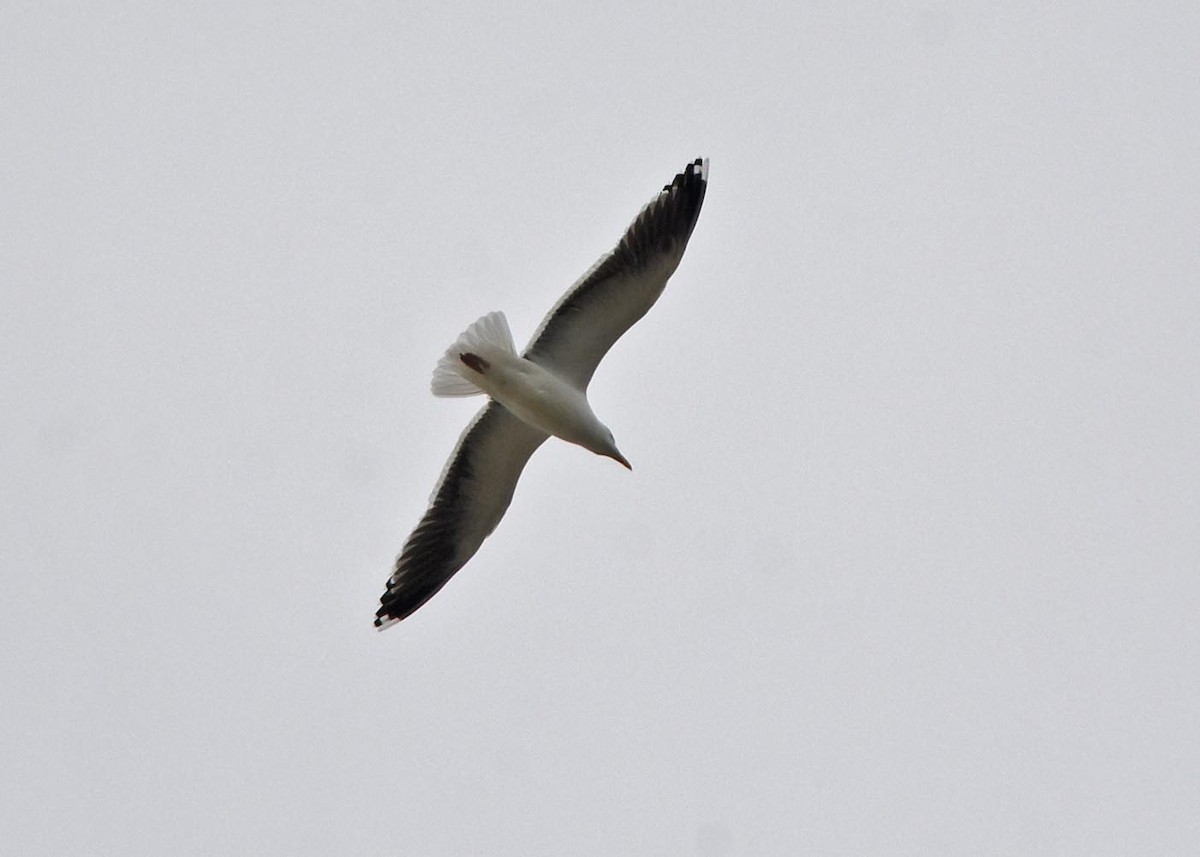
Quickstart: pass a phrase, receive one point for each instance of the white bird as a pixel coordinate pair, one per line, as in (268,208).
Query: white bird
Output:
(540,393)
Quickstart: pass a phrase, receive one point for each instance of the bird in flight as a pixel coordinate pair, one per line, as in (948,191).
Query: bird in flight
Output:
(539,393)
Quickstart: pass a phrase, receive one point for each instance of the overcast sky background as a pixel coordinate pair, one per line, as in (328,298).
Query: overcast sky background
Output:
(908,560)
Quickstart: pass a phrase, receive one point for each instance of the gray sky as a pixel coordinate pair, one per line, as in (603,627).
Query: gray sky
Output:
(908,560)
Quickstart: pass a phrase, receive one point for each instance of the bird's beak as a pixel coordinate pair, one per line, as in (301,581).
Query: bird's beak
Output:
(616,456)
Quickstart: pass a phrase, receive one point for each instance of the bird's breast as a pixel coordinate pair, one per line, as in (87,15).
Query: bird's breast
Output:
(540,398)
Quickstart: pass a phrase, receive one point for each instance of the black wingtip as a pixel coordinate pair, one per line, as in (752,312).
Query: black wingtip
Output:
(383,621)
(697,170)
(666,223)
(687,195)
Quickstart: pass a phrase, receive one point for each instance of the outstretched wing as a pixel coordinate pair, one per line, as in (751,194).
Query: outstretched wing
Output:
(471,497)
(624,284)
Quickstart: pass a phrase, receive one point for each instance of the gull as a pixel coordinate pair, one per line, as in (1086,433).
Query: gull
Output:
(536,394)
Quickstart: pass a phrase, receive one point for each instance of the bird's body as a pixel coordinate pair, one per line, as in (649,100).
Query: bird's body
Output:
(484,358)
(545,401)
(538,394)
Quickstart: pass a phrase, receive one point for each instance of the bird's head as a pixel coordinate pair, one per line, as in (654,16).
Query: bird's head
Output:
(604,444)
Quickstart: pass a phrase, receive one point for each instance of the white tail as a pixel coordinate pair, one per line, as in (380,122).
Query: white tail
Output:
(487,334)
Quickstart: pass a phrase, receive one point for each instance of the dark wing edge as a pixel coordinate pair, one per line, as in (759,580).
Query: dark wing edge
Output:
(470,498)
(622,286)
